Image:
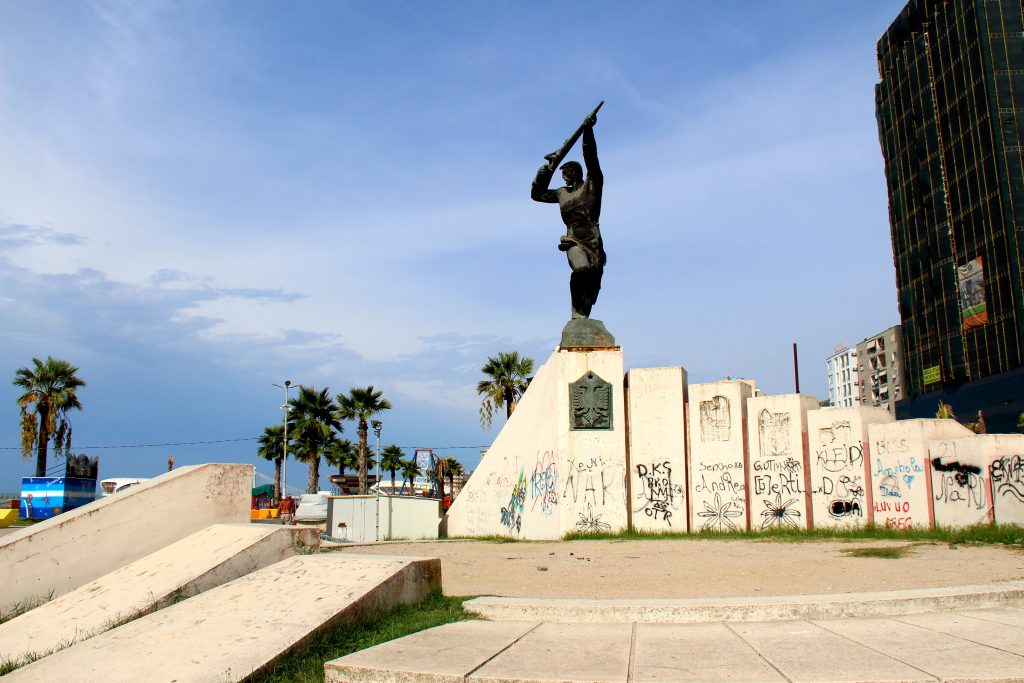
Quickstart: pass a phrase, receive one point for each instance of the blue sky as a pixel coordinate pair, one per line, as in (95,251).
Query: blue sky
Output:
(200,199)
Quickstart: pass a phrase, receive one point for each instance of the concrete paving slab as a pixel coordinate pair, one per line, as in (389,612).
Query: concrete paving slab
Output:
(940,655)
(709,653)
(208,558)
(805,652)
(1011,616)
(233,631)
(597,653)
(707,610)
(446,654)
(992,634)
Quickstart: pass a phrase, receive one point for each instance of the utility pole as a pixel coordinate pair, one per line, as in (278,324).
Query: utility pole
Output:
(796,370)
(377,427)
(284,463)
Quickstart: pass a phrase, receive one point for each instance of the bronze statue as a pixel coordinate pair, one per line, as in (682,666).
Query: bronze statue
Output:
(580,205)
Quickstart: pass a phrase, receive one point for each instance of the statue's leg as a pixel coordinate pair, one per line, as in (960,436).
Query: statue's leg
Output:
(582,283)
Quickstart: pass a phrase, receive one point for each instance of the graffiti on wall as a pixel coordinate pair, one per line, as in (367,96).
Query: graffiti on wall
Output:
(959,483)
(544,483)
(896,482)
(838,483)
(778,476)
(512,514)
(593,489)
(659,497)
(714,419)
(1007,475)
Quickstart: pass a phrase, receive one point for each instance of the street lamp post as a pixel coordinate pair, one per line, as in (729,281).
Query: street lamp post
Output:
(284,463)
(377,427)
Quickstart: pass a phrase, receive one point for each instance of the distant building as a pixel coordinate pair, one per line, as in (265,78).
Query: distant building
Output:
(843,382)
(950,110)
(880,369)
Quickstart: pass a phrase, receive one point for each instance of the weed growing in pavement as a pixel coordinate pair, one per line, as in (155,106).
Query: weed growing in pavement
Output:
(307,664)
(885,552)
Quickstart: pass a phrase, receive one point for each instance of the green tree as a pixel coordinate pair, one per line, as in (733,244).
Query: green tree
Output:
(450,468)
(508,376)
(410,470)
(361,404)
(312,424)
(271,447)
(51,391)
(391,460)
(341,453)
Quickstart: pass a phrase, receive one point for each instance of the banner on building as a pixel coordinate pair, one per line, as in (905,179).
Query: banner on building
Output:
(971,282)
(932,375)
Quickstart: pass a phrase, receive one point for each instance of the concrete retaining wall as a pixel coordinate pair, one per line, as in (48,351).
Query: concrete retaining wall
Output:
(69,550)
(1006,471)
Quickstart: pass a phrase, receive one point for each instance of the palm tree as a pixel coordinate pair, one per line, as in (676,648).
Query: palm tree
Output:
(312,423)
(341,453)
(360,405)
(271,448)
(508,376)
(410,470)
(50,393)
(391,460)
(451,468)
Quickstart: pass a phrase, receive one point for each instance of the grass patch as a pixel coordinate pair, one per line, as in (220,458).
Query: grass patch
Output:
(889,552)
(307,664)
(18,608)
(1002,534)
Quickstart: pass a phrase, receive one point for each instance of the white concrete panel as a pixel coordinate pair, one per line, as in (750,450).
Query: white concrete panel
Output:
(1006,471)
(961,485)
(592,463)
(839,459)
(657,448)
(777,478)
(900,473)
(71,549)
(515,489)
(408,517)
(717,422)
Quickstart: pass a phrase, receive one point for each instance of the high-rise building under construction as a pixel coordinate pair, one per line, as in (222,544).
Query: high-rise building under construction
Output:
(950,109)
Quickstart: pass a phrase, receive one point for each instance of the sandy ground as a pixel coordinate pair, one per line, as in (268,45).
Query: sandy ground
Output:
(700,568)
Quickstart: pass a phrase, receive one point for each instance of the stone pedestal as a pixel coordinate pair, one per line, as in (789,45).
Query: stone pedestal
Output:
(656,400)
(717,422)
(777,478)
(559,463)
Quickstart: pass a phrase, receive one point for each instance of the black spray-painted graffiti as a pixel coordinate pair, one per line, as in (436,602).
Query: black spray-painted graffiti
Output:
(845,495)
(590,522)
(544,483)
(773,434)
(512,514)
(659,497)
(714,419)
(779,514)
(587,482)
(778,473)
(960,484)
(835,452)
(1008,476)
(719,515)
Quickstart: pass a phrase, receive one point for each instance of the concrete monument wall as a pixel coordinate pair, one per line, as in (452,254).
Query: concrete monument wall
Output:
(777,478)
(515,489)
(559,464)
(1006,472)
(657,448)
(961,481)
(717,426)
(900,470)
(71,549)
(839,459)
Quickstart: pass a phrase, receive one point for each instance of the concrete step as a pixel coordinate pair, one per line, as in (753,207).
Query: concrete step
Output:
(208,558)
(979,645)
(69,550)
(708,610)
(240,628)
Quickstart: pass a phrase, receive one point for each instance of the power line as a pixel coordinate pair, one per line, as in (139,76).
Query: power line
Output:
(247,438)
